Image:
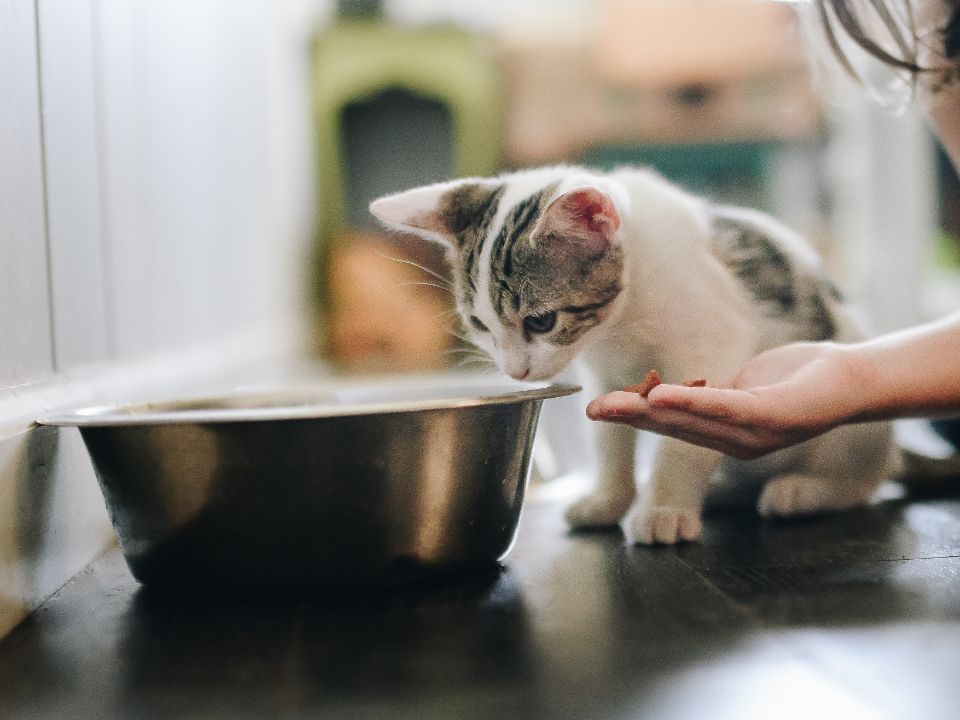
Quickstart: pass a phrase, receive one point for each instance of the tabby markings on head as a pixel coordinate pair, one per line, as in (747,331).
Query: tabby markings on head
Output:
(468,211)
(524,278)
(506,284)
(584,317)
(765,272)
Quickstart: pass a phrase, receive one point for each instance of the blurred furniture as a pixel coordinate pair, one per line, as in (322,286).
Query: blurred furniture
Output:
(707,91)
(661,71)
(734,172)
(356,63)
(394,108)
(382,314)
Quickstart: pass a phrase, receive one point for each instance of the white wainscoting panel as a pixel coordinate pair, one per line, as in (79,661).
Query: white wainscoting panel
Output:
(25,343)
(155,213)
(80,311)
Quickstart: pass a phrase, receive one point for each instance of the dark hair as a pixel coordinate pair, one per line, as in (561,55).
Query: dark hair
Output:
(842,13)
(951,34)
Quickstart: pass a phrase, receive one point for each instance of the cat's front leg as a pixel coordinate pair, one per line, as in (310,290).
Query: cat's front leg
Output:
(615,489)
(668,510)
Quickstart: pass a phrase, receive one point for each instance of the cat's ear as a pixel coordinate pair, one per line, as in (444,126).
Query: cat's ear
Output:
(440,212)
(585,217)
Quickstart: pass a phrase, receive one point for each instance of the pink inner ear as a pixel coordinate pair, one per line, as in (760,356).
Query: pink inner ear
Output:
(584,220)
(592,210)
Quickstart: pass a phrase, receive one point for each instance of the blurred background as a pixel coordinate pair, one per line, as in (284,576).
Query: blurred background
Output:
(183,190)
(720,95)
(189,175)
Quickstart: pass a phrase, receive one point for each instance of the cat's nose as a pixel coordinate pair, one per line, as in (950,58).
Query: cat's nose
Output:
(520,374)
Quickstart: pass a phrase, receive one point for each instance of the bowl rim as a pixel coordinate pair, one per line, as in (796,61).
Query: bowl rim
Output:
(275,404)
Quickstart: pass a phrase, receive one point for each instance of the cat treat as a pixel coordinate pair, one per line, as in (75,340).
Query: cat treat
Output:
(649,383)
(653,379)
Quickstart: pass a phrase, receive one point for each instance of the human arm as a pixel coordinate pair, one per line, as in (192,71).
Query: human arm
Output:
(798,391)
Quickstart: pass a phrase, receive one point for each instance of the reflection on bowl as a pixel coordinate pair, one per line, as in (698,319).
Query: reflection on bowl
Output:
(319,486)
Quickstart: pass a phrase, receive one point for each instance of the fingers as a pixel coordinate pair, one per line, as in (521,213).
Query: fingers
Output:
(736,406)
(721,420)
(617,405)
(730,406)
(631,409)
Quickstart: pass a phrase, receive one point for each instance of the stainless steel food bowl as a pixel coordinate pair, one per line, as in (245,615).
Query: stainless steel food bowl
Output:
(319,486)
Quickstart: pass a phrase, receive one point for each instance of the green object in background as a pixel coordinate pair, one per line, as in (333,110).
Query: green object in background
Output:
(946,252)
(443,87)
(733,172)
(355,62)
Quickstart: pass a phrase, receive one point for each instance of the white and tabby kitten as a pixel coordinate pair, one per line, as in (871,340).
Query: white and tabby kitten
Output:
(630,273)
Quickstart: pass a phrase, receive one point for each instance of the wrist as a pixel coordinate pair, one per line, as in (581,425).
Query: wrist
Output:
(859,393)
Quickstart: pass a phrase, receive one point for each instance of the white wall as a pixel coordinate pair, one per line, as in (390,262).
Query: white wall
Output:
(882,184)
(155,214)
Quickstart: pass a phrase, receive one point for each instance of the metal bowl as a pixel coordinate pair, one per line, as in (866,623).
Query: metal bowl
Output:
(320,486)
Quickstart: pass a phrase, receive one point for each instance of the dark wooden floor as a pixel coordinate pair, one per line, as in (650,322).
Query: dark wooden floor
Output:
(850,616)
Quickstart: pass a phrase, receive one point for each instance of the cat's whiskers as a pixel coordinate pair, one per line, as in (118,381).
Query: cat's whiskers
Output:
(478,361)
(424,283)
(454,325)
(445,282)
(468,350)
(474,352)
(469,366)
(462,336)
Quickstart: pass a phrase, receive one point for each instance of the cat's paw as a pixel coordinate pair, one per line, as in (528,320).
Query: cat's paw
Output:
(802,495)
(663,525)
(597,510)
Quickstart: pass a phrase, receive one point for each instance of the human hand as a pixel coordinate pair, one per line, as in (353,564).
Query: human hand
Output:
(781,397)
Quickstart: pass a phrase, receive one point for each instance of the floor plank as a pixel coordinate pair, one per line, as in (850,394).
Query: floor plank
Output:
(855,615)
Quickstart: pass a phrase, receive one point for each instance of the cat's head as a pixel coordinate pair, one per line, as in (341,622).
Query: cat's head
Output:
(537,261)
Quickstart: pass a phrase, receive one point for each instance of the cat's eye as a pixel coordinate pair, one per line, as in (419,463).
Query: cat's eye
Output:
(539,324)
(477,325)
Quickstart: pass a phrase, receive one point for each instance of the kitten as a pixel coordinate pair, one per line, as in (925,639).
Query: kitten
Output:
(630,272)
